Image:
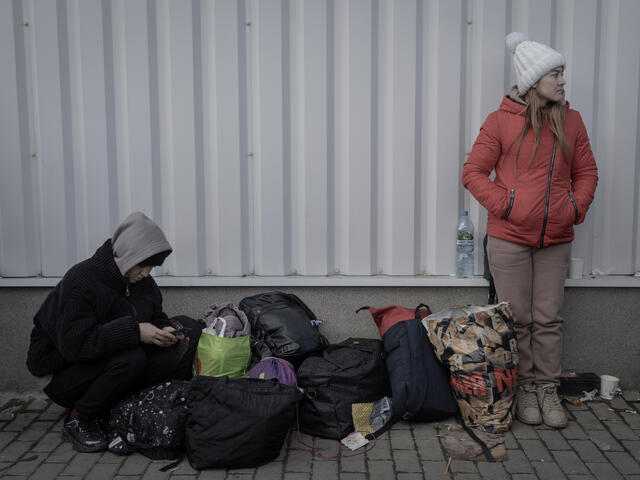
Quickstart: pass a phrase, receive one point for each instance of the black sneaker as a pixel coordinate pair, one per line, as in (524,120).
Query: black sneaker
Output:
(85,434)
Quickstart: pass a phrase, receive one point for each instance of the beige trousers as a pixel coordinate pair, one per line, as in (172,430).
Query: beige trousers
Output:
(532,280)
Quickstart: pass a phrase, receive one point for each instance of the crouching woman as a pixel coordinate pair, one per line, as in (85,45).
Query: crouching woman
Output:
(101,332)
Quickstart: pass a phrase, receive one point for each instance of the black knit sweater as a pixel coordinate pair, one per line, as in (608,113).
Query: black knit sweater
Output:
(92,313)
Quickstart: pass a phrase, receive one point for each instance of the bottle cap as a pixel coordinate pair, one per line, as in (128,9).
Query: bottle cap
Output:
(465,213)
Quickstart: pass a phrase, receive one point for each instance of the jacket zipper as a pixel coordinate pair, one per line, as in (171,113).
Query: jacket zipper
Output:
(575,206)
(512,195)
(546,205)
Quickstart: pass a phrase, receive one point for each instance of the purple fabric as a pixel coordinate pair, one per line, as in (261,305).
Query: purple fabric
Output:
(270,368)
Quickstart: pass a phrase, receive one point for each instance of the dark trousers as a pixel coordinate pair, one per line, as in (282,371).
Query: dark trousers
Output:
(92,387)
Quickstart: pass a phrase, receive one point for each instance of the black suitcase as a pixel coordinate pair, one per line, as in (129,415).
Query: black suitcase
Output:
(350,372)
(281,326)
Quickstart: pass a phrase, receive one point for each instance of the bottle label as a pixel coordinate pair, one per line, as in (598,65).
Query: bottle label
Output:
(465,239)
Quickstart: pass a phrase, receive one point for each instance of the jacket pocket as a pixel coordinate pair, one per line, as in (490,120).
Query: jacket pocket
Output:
(575,206)
(512,196)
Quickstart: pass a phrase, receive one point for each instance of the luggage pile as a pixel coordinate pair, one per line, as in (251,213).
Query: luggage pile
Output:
(264,366)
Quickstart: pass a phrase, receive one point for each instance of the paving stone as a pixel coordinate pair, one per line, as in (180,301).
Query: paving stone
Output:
(588,420)
(522,431)
(554,440)
(517,462)
(134,464)
(6,438)
(320,470)
(152,472)
(581,477)
(122,477)
(603,411)
(21,422)
(103,471)
(48,443)
(381,450)
(633,446)
(63,454)
(623,462)
(27,464)
(82,464)
(571,407)
(632,419)
(604,471)
(409,476)
(587,451)
(109,457)
(350,476)
(493,471)
(619,402)
(298,461)
(35,431)
(57,427)
(424,431)
(430,449)
(536,451)
(331,448)
(353,463)
(621,431)
(548,471)
(524,476)
(406,461)
(570,463)
(243,476)
(14,451)
(221,474)
(378,470)
(573,431)
(463,466)
(401,425)
(510,441)
(604,441)
(38,404)
(631,395)
(48,471)
(185,468)
(435,470)
(53,413)
(402,440)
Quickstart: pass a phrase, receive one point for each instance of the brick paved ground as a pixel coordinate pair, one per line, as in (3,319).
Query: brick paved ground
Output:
(597,444)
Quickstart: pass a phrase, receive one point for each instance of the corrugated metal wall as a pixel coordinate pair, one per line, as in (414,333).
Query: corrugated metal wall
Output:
(275,137)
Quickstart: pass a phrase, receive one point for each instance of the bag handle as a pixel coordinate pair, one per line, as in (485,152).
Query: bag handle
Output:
(417,313)
(224,325)
(363,308)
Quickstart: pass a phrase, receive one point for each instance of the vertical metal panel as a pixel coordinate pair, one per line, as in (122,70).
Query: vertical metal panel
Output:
(277,137)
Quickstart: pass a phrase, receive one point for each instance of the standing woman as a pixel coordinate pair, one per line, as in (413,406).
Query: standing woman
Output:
(545,179)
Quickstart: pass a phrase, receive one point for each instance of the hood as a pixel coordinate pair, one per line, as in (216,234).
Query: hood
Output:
(512,103)
(136,239)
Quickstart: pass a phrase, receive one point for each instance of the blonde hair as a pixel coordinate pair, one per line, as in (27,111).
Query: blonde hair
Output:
(534,115)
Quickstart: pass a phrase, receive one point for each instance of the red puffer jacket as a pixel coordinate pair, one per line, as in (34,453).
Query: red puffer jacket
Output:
(538,203)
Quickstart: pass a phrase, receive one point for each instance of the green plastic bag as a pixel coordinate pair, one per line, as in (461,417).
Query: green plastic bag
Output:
(218,356)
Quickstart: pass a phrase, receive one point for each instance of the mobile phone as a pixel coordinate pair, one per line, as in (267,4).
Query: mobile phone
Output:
(177,329)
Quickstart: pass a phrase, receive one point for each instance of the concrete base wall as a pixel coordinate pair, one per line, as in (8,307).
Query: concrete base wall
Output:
(601,325)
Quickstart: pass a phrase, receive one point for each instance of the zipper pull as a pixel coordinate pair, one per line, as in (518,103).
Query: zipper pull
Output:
(126,291)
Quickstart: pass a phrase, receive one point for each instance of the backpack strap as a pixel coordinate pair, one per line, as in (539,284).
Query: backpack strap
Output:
(363,308)
(417,314)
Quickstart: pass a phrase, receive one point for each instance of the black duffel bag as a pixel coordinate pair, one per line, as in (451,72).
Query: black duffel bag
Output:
(350,372)
(237,423)
(282,326)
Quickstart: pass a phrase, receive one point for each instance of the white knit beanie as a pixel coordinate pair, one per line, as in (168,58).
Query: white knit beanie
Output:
(531,60)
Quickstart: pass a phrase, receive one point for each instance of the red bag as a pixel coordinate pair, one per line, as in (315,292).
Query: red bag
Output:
(387,317)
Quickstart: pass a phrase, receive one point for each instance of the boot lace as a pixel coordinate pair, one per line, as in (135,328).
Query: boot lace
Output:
(550,400)
(527,396)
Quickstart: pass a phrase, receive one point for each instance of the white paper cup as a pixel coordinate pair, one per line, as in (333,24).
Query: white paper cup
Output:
(608,385)
(576,266)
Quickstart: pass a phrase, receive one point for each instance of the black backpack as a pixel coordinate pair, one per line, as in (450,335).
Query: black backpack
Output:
(350,372)
(282,326)
(419,381)
(150,422)
(237,423)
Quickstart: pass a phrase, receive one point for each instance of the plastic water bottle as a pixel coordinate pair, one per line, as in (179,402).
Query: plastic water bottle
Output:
(464,246)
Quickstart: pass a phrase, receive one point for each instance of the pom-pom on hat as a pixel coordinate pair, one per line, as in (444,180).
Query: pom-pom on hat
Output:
(531,60)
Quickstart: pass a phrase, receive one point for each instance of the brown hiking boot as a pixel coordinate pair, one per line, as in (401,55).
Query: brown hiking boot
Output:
(527,409)
(552,411)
